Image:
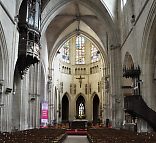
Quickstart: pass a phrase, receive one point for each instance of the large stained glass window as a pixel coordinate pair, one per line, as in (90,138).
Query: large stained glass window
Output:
(65,52)
(80,43)
(94,54)
(81,110)
(80,50)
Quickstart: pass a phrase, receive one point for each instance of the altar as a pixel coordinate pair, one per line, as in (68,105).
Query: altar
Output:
(78,124)
(77,127)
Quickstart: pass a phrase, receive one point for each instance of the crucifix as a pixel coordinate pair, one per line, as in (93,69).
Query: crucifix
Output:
(80,80)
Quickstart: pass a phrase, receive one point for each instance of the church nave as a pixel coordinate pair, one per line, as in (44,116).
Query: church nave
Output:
(90,63)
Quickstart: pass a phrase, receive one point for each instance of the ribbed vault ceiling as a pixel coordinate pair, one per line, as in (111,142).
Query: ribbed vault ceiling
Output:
(88,16)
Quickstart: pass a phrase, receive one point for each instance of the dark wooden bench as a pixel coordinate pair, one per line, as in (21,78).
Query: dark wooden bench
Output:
(105,135)
(33,136)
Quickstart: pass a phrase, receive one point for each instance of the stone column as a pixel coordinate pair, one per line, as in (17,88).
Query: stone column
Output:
(116,76)
(89,108)
(72,108)
(24,103)
(50,99)
(1,103)
(34,96)
(57,107)
(37,94)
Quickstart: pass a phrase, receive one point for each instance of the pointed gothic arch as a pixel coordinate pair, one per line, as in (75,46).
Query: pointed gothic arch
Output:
(93,39)
(148,58)
(66,30)
(96,104)
(80,107)
(50,11)
(3,55)
(65,108)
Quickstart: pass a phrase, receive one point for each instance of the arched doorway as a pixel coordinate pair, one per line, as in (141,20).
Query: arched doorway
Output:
(65,108)
(80,107)
(95,109)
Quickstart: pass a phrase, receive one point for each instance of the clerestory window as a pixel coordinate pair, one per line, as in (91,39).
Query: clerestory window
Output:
(80,50)
(65,50)
(95,54)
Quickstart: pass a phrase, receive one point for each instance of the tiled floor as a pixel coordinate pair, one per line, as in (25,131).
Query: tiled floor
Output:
(76,139)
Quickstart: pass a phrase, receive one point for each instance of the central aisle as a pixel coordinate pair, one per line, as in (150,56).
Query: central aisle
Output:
(76,139)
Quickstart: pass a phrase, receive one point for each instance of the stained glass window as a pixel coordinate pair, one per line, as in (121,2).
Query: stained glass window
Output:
(65,52)
(80,50)
(94,54)
(81,110)
(80,44)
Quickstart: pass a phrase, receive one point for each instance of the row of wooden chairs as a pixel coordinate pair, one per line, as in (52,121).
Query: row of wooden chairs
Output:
(41,135)
(106,135)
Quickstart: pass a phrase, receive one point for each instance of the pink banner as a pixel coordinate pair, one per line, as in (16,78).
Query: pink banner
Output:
(44,112)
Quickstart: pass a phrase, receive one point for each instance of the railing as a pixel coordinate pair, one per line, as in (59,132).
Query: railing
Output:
(136,106)
(127,90)
(33,49)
